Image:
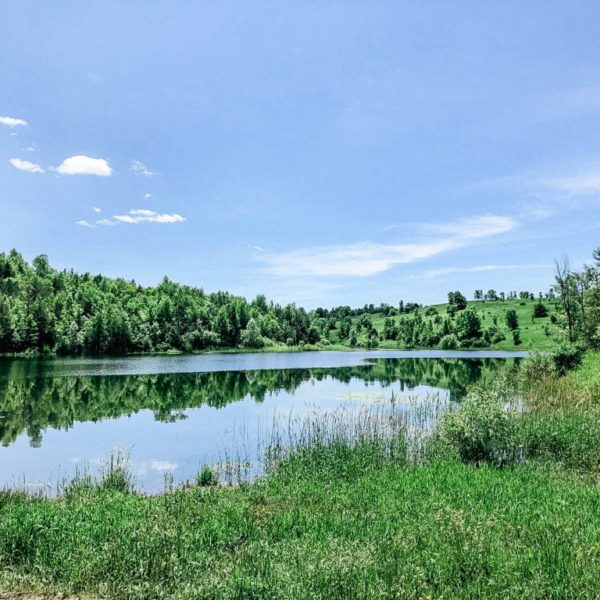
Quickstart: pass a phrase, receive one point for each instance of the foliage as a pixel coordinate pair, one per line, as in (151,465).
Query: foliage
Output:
(516,336)
(45,310)
(449,342)
(512,320)
(483,429)
(540,310)
(457,299)
(207,477)
(579,296)
(251,337)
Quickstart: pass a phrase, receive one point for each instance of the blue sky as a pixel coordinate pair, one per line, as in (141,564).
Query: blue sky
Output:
(320,152)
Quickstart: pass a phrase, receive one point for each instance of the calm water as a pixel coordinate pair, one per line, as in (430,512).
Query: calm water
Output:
(176,413)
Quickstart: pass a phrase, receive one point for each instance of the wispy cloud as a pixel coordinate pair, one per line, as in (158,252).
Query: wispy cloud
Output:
(25,165)
(139,168)
(580,181)
(147,195)
(143,215)
(12,122)
(436,273)
(364,259)
(134,216)
(84,165)
(575,185)
(96,209)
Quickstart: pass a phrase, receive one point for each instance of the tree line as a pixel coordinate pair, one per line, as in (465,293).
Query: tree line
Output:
(46,310)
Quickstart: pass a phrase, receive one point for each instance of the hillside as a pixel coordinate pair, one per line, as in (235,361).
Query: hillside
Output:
(536,333)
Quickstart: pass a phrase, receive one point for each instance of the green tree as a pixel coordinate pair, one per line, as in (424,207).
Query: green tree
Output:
(512,320)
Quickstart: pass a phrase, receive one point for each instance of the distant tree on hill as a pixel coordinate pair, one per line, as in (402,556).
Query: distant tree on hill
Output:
(512,320)
(457,299)
(539,310)
(468,325)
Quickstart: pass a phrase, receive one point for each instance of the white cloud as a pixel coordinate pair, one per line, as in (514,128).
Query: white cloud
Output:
(434,273)
(140,168)
(256,248)
(163,465)
(105,222)
(30,149)
(84,165)
(143,215)
(12,122)
(147,195)
(96,209)
(25,165)
(83,223)
(364,259)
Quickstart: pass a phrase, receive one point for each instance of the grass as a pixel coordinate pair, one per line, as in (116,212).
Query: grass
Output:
(373,529)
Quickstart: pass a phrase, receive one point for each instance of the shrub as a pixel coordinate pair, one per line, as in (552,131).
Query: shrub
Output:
(206,477)
(512,320)
(539,310)
(516,334)
(449,342)
(566,356)
(251,337)
(484,428)
(537,366)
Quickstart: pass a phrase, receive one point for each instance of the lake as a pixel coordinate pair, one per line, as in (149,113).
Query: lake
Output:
(173,414)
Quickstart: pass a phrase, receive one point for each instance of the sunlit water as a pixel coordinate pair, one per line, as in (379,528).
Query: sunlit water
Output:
(174,414)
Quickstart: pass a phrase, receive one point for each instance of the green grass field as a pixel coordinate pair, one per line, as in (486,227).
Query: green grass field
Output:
(315,530)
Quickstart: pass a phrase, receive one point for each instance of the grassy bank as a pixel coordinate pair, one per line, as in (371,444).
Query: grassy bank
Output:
(364,530)
(500,499)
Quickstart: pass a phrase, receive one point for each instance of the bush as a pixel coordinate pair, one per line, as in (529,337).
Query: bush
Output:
(206,478)
(251,337)
(449,342)
(566,356)
(512,320)
(539,310)
(484,428)
(537,366)
(516,334)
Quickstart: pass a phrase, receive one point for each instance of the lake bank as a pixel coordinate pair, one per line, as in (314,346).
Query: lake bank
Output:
(342,517)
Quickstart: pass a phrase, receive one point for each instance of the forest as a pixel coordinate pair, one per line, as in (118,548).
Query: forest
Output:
(44,310)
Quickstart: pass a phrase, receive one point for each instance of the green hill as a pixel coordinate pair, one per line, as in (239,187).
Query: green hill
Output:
(536,333)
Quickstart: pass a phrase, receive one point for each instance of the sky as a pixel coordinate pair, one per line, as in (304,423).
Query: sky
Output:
(322,153)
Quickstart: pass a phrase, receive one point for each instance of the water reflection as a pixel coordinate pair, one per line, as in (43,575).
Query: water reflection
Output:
(29,405)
